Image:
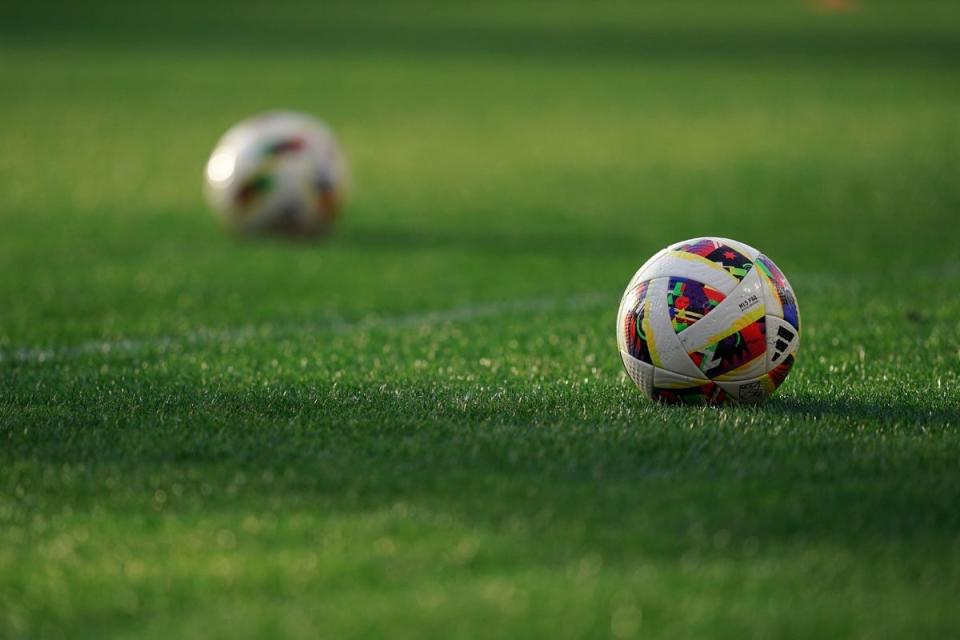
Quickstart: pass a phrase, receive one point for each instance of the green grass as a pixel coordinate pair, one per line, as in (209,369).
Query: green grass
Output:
(420,427)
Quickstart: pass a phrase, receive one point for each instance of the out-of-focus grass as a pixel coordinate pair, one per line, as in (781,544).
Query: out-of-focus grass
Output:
(419,426)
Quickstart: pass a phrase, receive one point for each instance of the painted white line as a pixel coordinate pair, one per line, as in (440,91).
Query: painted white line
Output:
(334,325)
(813,281)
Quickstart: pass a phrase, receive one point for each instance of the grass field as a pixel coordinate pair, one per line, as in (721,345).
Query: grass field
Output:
(420,427)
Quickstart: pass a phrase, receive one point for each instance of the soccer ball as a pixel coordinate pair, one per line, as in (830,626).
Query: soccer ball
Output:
(708,321)
(279,172)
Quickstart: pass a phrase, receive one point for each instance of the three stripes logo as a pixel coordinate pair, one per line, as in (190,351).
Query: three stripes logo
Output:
(784,338)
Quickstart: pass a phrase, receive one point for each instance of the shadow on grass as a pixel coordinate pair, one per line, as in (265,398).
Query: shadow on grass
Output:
(590,471)
(859,411)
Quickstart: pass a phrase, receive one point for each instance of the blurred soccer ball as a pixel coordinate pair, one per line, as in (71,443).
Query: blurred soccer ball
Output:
(707,321)
(279,172)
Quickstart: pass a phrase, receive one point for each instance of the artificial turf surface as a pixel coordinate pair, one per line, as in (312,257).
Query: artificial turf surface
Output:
(420,426)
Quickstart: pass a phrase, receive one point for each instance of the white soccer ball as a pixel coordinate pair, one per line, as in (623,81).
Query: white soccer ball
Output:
(279,172)
(707,321)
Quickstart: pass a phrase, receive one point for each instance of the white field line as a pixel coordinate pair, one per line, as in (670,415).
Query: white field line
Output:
(200,337)
(818,281)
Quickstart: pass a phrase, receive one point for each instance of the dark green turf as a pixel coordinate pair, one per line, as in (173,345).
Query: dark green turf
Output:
(420,427)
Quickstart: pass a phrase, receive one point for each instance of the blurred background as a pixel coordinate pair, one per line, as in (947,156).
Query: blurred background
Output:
(824,132)
(423,416)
